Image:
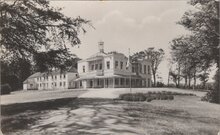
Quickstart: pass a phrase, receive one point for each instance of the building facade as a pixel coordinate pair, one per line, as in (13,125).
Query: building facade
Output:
(110,70)
(52,80)
(101,70)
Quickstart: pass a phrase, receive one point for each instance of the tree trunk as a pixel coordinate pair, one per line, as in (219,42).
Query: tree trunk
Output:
(194,77)
(185,82)
(189,83)
(178,77)
(154,75)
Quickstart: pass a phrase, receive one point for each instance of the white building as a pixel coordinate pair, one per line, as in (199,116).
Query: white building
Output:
(101,70)
(109,70)
(52,80)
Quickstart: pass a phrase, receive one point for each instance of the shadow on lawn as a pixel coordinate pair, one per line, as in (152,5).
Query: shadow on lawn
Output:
(44,116)
(94,116)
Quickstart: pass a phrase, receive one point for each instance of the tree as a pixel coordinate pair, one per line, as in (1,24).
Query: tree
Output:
(190,55)
(203,22)
(204,78)
(156,57)
(35,32)
(28,27)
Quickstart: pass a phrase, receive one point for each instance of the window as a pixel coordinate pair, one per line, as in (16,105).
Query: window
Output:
(96,66)
(148,69)
(55,77)
(116,81)
(64,76)
(83,68)
(80,83)
(76,75)
(55,84)
(100,66)
(122,81)
(92,68)
(127,81)
(140,68)
(40,84)
(145,69)
(61,76)
(52,76)
(98,82)
(108,64)
(64,84)
(116,64)
(60,83)
(121,64)
(52,84)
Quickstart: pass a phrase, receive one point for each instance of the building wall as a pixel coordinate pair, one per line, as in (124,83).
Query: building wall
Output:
(55,81)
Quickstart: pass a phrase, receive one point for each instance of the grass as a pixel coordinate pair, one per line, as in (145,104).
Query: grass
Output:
(184,115)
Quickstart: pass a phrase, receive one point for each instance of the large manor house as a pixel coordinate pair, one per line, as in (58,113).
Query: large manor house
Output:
(101,70)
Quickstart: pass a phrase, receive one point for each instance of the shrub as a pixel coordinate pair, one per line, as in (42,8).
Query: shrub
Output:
(170,97)
(5,89)
(133,97)
(149,99)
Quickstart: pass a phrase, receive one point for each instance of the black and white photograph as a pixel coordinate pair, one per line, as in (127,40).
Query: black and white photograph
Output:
(110,67)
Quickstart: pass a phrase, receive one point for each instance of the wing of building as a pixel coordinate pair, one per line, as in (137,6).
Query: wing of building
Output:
(101,70)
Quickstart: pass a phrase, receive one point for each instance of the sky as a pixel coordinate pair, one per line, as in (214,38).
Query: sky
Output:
(137,25)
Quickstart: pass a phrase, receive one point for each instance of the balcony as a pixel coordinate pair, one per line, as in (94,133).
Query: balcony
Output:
(99,72)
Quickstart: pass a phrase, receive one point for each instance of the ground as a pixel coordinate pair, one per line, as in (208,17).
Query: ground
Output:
(185,115)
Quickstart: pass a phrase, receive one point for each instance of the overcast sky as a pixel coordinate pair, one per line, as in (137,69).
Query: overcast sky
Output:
(127,24)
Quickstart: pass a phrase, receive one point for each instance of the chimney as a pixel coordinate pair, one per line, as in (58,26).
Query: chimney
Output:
(101,46)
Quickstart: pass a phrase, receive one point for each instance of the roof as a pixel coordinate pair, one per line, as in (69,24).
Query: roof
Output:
(97,56)
(39,74)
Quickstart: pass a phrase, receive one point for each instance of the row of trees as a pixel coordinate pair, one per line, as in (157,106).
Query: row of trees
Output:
(194,54)
(34,36)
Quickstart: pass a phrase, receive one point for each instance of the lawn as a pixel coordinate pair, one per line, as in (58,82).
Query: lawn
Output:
(185,115)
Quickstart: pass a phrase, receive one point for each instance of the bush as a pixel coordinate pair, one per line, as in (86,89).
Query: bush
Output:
(213,95)
(133,97)
(170,97)
(5,89)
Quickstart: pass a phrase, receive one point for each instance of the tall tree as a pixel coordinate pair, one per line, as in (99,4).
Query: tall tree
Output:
(156,57)
(203,22)
(32,29)
(28,27)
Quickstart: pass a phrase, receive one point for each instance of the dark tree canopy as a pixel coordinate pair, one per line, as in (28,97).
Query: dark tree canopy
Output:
(35,37)
(30,26)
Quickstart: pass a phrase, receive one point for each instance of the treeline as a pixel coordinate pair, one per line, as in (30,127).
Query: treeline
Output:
(192,55)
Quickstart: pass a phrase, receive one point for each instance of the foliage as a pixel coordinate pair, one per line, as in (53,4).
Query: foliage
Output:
(38,34)
(15,72)
(213,95)
(29,26)
(149,96)
(5,89)
(200,50)
(156,57)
